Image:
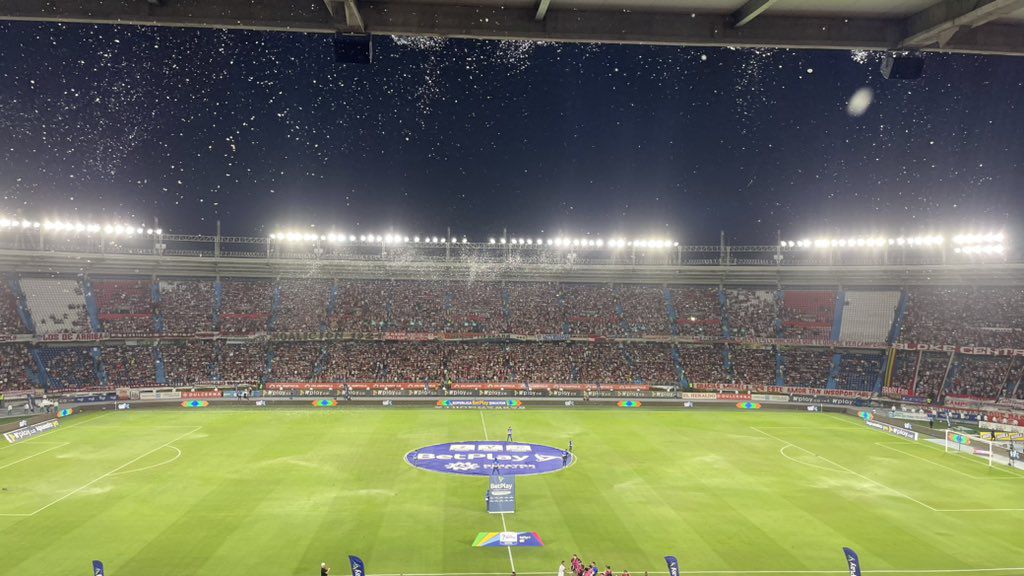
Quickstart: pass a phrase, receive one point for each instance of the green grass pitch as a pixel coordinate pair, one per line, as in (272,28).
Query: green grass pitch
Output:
(274,493)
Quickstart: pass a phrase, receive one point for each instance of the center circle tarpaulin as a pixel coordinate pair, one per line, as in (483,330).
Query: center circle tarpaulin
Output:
(482,457)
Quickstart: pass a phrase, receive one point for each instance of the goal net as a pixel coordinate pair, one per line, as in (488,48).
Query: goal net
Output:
(964,443)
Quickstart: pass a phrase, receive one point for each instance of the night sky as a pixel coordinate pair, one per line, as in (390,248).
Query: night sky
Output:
(264,131)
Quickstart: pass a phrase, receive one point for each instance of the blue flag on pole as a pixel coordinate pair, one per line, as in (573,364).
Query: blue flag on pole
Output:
(673,565)
(852,561)
(97,568)
(358,568)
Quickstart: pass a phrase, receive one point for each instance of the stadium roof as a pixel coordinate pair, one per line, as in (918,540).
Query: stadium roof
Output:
(966,26)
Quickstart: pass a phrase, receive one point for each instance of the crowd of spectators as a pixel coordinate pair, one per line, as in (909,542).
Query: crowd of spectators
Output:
(303,306)
(15,364)
(643,310)
(808,314)
(541,363)
(698,311)
(10,321)
(125,306)
(601,363)
(245,306)
(295,361)
(965,316)
(859,371)
(188,362)
(486,362)
(753,367)
(704,364)
(535,308)
(129,366)
(477,307)
(751,313)
(930,373)
(240,362)
(652,363)
(72,367)
(360,307)
(354,361)
(186,306)
(590,310)
(417,306)
(415,361)
(806,367)
(979,376)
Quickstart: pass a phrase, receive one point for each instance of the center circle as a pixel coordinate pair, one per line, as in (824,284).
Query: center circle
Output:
(483,457)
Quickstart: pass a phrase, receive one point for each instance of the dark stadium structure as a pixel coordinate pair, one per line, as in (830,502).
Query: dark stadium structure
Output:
(367,317)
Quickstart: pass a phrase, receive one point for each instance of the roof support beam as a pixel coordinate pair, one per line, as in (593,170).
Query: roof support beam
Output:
(542,9)
(936,25)
(480,20)
(752,9)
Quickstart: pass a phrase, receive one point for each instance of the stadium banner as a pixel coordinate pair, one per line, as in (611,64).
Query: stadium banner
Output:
(895,431)
(852,561)
(1000,427)
(74,337)
(834,401)
(769,398)
(963,402)
(159,395)
(27,432)
(733,396)
(552,337)
(201,394)
(415,336)
(88,398)
(480,404)
(357,565)
(673,565)
(698,396)
(97,568)
(969,350)
(501,493)
(905,415)
(506,539)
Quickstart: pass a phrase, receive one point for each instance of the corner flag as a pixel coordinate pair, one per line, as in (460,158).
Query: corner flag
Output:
(358,568)
(97,568)
(852,561)
(673,565)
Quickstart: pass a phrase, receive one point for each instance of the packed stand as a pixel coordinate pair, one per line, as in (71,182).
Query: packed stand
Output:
(245,306)
(69,367)
(361,306)
(979,376)
(590,310)
(303,305)
(859,371)
(15,364)
(57,305)
(129,366)
(991,317)
(1015,377)
(753,368)
(751,313)
(652,363)
(10,320)
(806,368)
(124,306)
(930,373)
(241,362)
(477,307)
(535,308)
(354,361)
(186,306)
(295,361)
(808,314)
(600,363)
(188,362)
(417,306)
(698,311)
(478,363)
(541,363)
(643,310)
(415,362)
(703,364)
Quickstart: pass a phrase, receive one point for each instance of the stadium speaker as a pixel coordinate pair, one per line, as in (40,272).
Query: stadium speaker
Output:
(902,66)
(353,48)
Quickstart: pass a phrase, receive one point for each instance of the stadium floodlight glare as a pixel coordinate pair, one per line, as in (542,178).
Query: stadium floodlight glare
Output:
(491,241)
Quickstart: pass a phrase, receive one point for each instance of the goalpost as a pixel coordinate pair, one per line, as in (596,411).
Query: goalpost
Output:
(975,445)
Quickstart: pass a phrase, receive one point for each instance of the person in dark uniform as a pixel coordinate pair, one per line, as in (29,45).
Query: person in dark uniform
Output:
(570,445)
(509,439)
(324,569)
(565,458)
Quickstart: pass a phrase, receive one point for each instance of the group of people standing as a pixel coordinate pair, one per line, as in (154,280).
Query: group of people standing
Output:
(581,569)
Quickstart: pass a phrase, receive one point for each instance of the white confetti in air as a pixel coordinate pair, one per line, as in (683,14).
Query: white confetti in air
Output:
(860,101)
